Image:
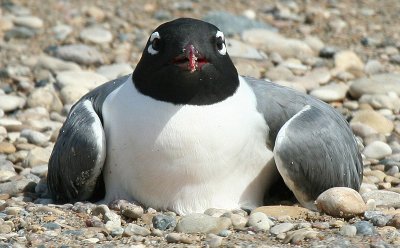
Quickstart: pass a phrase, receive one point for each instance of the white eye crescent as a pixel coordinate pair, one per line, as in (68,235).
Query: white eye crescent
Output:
(153,49)
(221,47)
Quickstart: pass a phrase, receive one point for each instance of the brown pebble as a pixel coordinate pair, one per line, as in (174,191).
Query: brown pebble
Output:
(4,196)
(7,148)
(395,221)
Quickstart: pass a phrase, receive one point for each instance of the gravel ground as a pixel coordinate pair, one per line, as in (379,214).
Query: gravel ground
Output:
(346,53)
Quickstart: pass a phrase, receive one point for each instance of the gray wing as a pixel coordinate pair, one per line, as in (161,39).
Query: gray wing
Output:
(79,153)
(314,147)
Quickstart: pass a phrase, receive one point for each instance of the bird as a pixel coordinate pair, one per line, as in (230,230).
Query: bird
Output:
(185,132)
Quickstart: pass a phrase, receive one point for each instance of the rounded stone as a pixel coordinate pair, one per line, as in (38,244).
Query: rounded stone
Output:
(28,21)
(331,92)
(10,103)
(79,78)
(281,228)
(80,54)
(133,229)
(364,228)
(164,222)
(42,97)
(341,202)
(375,84)
(202,223)
(259,220)
(348,60)
(96,35)
(348,230)
(377,150)
(374,120)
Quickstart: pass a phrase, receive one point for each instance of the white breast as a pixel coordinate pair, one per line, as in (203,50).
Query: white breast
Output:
(182,157)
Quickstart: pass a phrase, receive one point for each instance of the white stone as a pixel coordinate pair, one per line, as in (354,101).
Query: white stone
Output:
(10,102)
(331,92)
(96,35)
(85,79)
(28,21)
(377,150)
(239,49)
(114,71)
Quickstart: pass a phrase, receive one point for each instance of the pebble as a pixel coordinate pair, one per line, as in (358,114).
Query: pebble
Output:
(327,52)
(7,148)
(295,237)
(56,65)
(231,24)
(10,103)
(96,35)
(375,84)
(202,223)
(62,31)
(374,120)
(35,137)
(81,54)
(40,170)
(377,150)
(80,78)
(273,42)
(383,198)
(239,49)
(42,97)
(164,222)
(259,220)
(364,228)
(28,21)
(348,230)
(132,211)
(293,212)
(381,101)
(37,156)
(331,92)
(72,93)
(178,238)
(373,67)
(348,60)
(213,240)
(238,221)
(114,71)
(133,229)
(281,228)
(19,33)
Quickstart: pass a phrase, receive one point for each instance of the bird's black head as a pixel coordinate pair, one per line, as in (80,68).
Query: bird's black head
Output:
(185,62)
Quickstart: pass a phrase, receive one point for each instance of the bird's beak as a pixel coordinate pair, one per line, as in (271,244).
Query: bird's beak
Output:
(190,59)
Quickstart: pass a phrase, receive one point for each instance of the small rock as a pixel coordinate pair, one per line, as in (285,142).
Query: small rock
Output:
(364,228)
(51,226)
(178,238)
(28,21)
(7,148)
(5,229)
(375,84)
(56,65)
(19,33)
(281,228)
(348,60)
(133,229)
(85,79)
(373,67)
(10,103)
(238,221)
(80,54)
(374,120)
(34,137)
(114,71)
(331,92)
(280,211)
(259,220)
(40,170)
(231,24)
(96,35)
(37,156)
(61,31)
(348,231)
(213,240)
(383,198)
(295,237)
(164,222)
(42,97)
(341,202)
(215,212)
(327,52)
(202,223)
(132,211)
(239,49)
(72,93)
(377,150)
(395,221)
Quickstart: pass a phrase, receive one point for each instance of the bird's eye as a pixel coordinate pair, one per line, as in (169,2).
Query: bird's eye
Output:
(220,43)
(154,46)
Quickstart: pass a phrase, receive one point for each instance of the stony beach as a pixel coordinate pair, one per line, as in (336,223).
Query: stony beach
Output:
(346,53)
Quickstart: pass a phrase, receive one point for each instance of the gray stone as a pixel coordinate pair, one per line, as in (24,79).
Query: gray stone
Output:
(83,79)
(35,137)
(164,222)
(96,35)
(281,228)
(231,24)
(62,31)
(274,42)
(202,223)
(114,71)
(373,67)
(18,186)
(383,198)
(178,238)
(377,150)
(213,240)
(10,103)
(132,211)
(239,49)
(40,170)
(43,97)
(376,84)
(364,228)
(259,221)
(382,101)
(19,33)
(28,21)
(81,54)
(331,92)
(348,231)
(133,229)
(51,226)
(37,156)
(56,65)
